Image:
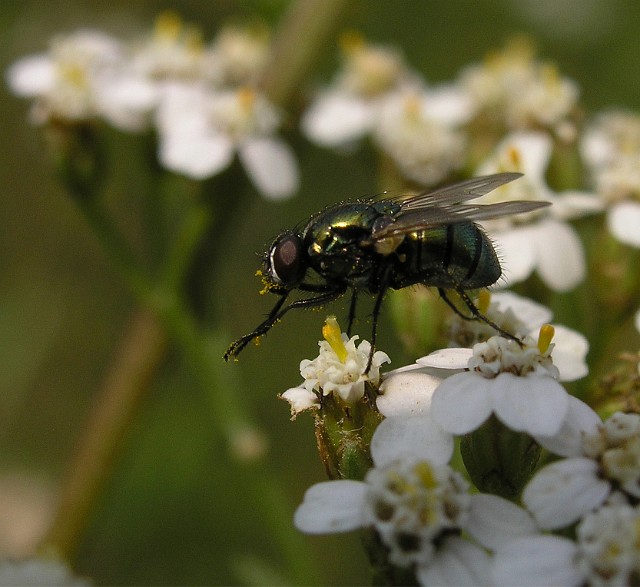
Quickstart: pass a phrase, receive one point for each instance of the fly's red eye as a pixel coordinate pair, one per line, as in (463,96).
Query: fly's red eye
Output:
(285,259)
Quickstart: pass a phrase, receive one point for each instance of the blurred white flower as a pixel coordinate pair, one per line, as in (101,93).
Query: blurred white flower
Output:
(417,129)
(518,91)
(83,76)
(201,130)
(237,55)
(39,572)
(347,110)
(540,240)
(611,149)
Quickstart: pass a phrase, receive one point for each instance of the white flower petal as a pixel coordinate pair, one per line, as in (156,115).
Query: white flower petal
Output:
(517,253)
(569,353)
(196,156)
(623,222)
(636,320)
(410,437)
(32,75)
(271,165)
(494,521)
(562,492)
(300,400)
(336,119)
(448,105)
(126,101)
(532,404)
(580,420)
(461,403)
(531,313)
(456,564)
(574,204)
(454,358)
(560,255)
(332,506)
(406,392)
(532,561)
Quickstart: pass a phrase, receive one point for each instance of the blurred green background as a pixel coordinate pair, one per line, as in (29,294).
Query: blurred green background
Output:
(175,513)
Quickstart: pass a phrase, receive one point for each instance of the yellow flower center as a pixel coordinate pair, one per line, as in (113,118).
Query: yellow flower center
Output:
(544,339)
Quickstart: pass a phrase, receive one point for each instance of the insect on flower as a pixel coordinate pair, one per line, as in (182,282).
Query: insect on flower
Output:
(372,245)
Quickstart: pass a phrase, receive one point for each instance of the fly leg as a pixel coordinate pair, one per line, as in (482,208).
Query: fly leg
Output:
(352,310)
(383,286)
(277,313)
(476,314)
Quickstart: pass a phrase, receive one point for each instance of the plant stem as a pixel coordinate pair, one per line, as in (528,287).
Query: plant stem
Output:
(132,369)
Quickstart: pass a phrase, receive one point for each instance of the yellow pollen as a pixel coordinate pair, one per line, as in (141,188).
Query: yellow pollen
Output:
(168,25)
(246,97)
(412,106)
(514,157)
(351,42)
(484,300)
(544,339)
(424,472)
(74,74)
(193,39)
(332,334)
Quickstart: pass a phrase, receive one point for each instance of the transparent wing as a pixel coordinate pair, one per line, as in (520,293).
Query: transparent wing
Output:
(458,192)
(423,218)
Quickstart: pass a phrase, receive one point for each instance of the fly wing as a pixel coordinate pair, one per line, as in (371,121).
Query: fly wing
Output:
(421,219)
(458,192)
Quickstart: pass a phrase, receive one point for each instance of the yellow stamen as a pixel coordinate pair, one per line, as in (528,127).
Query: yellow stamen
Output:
(193,39)
(168,25)
(425,473)
(412,106)
(246,97)
(484,300)
(73,74)
(333,335)
(544,338)
(351,42)
(514,158)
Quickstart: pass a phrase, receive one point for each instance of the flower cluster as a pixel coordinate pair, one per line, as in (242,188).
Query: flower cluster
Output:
(419,507)
(203,100)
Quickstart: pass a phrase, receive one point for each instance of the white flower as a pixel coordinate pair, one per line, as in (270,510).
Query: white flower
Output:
(516,383)
(523,317)
(38,572)
(540,240)
(514,88)
(347,110)
(601,457)
(609,545)
(83,76)
(611,149)
(238,55)
(201,130)
(413,503)
(417,129)
(173,52)
(340,369)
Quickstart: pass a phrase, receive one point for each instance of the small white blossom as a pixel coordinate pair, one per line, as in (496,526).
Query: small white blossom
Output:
(611,150)
(417,129)
(600,458)
(540,240)
(347,110)
(413,503)
(238,55)
(523,317)
(516,383)
(201,130)
(39,572)
(340,369)
(82,77)
(520,92)
(609,545)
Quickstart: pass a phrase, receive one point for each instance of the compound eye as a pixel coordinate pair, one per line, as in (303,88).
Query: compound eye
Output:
(285,259)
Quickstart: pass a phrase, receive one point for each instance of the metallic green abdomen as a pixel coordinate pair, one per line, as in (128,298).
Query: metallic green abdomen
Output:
(455,255)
